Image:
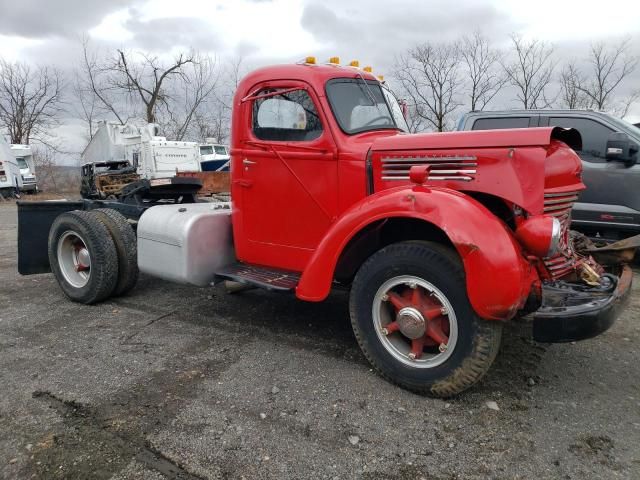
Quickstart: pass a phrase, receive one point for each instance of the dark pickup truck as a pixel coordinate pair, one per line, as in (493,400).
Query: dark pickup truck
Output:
(610,206)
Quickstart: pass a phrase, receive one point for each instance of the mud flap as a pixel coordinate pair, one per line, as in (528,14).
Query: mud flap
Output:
(34,223)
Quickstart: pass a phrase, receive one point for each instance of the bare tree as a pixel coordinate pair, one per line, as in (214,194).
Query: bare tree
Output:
(429,77)
(190,98)
(146,78)
(607,67)
(96,97)
(214,120)
(121,85)
(571,81)
(481,62)
(30,99)
(531,71)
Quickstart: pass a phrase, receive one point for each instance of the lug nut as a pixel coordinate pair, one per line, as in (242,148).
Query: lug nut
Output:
(412,356)
(413,285)
(385,297)
(385,331)
(442,348)
(444,311)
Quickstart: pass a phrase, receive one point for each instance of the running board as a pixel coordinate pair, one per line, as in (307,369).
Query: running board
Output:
(263,277)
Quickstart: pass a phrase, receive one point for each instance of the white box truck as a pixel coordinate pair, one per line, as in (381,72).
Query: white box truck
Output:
(10,177)
(24,157)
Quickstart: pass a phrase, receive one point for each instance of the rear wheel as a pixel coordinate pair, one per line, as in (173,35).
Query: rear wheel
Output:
(125,242)
(413,320)
(83,257)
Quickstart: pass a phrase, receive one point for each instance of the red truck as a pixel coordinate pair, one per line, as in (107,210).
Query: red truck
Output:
(440,237)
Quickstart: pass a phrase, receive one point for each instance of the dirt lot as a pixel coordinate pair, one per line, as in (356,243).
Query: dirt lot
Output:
(177,382)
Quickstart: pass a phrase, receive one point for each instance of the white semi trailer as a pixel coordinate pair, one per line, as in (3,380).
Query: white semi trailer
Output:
(153,156)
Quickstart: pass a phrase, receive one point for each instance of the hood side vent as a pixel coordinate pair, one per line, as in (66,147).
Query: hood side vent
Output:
(457,168)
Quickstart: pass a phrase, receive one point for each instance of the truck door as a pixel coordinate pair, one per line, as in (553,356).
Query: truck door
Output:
(611,199)
(286,176)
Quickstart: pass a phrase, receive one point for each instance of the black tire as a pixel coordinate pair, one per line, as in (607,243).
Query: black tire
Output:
(126,244)
(103,272)
(478,341)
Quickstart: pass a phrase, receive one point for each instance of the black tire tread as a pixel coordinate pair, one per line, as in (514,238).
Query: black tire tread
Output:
(105,274)
(486,343)
(126,242)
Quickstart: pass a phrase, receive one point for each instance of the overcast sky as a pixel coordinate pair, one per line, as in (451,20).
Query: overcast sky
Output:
(263,31)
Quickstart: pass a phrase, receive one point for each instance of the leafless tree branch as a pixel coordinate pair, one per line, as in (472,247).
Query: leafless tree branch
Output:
(30,99)
(481,62)
(531,71)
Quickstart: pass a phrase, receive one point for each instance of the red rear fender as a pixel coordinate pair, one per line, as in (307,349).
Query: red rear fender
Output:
(497,275)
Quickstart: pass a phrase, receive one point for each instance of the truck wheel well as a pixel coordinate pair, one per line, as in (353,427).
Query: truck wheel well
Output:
(495,205)
(378,235)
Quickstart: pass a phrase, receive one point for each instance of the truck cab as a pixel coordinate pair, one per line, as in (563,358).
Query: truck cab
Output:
(440,238)
(610,205)
(24,157)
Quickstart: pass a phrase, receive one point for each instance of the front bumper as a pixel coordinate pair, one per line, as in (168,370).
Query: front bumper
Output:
(579,321)
(29,187)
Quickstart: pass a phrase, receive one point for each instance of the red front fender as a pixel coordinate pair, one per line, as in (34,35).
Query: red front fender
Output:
(498,277)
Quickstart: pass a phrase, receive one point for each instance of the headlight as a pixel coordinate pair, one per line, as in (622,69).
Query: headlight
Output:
(540,235)
(3,179)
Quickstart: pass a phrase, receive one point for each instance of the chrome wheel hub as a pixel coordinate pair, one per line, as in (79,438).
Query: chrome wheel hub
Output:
(411,322)
(414,321)
(74,259)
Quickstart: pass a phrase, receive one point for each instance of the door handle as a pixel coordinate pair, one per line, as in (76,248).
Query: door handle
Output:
(246,161)
(243,183)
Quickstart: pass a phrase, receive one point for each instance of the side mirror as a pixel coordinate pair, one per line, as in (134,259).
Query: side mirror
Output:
(620,149)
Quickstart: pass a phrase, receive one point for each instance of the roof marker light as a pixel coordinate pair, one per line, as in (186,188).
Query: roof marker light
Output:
(354,63)
(310,60)
(368,69)
(381,78)
(334,60)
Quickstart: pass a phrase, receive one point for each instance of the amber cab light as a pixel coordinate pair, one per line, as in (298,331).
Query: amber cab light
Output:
(540,235)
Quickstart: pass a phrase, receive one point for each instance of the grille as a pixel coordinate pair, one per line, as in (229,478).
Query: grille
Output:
(559,205)
(460,168)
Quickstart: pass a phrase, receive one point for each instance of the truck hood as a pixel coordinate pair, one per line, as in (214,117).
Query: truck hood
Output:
(515,165)
(515,137)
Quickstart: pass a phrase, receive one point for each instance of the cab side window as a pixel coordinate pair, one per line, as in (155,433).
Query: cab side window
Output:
(286,117)
(500,123)
(594,135)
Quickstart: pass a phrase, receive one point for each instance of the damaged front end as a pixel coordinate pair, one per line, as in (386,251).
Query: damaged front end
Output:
(587,297)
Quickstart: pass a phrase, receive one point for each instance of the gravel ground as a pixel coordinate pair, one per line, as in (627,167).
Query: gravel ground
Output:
(185,383)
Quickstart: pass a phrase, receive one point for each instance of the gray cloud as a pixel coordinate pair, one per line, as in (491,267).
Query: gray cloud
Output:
(38,19)
(164,33)
(379,31)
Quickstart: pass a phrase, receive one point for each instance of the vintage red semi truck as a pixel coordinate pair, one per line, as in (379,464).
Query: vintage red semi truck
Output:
(440,237)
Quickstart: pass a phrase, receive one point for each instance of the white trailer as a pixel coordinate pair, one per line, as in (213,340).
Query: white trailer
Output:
(24,157)
(10,177)
(152,155)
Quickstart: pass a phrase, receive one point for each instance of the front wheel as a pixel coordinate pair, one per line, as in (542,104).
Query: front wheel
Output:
(414,323)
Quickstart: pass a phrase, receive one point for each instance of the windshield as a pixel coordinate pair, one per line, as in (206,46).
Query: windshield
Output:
(362,105)
(22,162)
(206,150)
(220,150)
